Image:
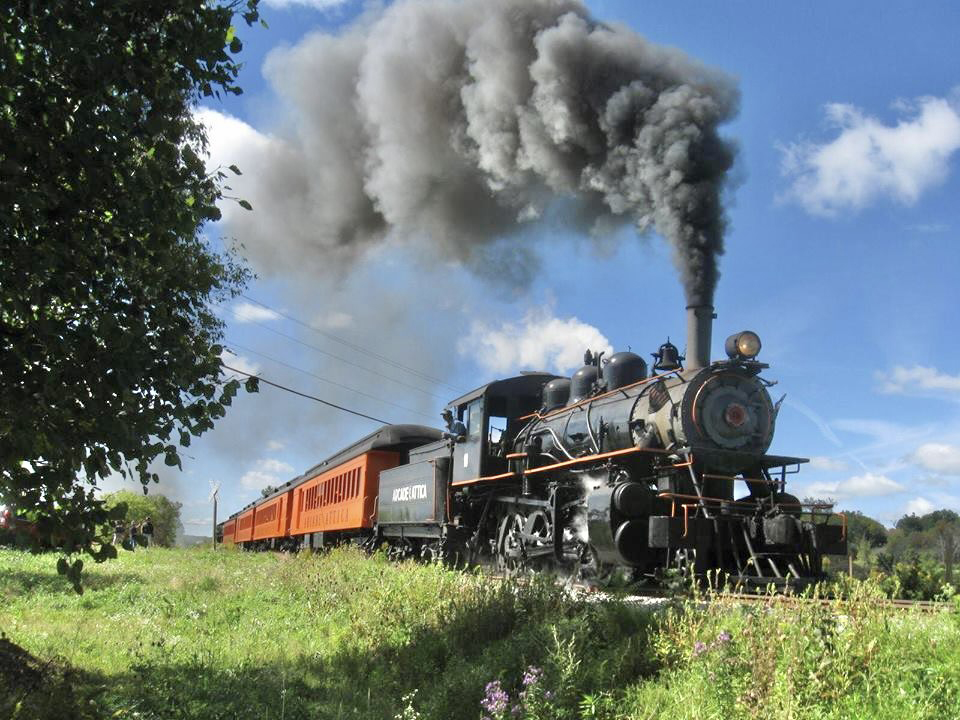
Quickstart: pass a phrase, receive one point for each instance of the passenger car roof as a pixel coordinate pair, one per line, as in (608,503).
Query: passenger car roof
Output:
(387,436)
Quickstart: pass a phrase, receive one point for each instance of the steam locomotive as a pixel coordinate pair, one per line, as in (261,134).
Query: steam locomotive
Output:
(614,467)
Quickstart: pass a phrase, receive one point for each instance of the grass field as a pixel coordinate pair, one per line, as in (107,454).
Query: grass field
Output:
(196,634)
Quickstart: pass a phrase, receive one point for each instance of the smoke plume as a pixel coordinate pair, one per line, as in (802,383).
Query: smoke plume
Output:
(459,123)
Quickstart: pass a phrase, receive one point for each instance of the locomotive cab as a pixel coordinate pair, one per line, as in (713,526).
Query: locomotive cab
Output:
(492,414)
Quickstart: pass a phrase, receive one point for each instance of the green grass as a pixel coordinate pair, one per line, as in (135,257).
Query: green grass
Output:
(196,634)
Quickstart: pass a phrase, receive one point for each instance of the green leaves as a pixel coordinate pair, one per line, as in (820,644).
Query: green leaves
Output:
(252,384)
(245,205)
(72,572)
(171,458)
(105,278)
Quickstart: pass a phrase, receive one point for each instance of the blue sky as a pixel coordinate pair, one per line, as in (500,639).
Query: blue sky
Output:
(841,253)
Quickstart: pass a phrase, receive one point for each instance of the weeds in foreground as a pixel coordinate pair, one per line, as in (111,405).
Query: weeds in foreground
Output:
(171,635)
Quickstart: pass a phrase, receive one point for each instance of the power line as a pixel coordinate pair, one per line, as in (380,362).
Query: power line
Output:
(353,346)
(325,380)
(297,392)
(341,359)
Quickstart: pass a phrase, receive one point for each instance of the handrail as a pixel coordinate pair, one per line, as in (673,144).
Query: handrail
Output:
(598,397)
(565,463)
(590,458)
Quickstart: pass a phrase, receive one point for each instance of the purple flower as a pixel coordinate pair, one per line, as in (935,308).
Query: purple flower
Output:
(723,637)
(496,699)
(699,648)
(532,676)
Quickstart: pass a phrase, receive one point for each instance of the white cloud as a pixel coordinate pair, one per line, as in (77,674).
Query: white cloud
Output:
(821,462)
(919,506)
(275,466)
(334,320)
(275,445)
(938,457)
(205,522)
(239,362)
(870,485)
(257,480)
(316,4)
(869,161)
(231,141)
(866,485)
(266,472)
(540,341)
(905,380)
(245,312)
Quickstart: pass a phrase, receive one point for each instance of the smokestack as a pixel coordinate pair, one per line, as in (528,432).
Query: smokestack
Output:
(699,331)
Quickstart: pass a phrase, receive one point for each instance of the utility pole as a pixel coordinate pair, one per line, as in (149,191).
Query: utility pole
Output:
(214,491)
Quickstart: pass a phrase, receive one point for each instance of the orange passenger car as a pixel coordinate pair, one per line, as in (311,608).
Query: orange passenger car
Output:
(244,531)
(229,531)
(271,519)
(342,498)
(337,496)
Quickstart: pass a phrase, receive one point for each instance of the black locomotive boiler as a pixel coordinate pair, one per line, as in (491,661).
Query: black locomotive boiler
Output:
(616,466)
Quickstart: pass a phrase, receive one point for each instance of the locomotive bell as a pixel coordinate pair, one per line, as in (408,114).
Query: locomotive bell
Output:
(667,357)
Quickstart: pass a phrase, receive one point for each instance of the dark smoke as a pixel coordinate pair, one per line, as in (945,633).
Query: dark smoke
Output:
(461,122)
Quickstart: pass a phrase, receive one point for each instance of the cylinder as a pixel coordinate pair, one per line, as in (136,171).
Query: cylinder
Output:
(631,541)
(632,499)
(699,332)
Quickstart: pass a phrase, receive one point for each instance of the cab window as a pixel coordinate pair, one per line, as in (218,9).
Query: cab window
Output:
(474,420)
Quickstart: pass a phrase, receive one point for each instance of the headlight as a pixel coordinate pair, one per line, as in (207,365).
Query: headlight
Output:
(743,345)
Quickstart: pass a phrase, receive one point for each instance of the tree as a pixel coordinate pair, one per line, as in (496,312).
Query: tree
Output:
(864,534)
(936,534)
(135,507)
(109,347)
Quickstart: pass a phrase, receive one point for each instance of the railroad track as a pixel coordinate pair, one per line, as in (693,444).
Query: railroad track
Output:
(651,595)
(929,606)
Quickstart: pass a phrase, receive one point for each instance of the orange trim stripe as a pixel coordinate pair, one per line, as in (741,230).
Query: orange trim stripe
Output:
(501,476)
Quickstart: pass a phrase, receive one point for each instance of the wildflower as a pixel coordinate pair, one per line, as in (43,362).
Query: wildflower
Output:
(699,648)
(532,676)
(496,699)
(723,637)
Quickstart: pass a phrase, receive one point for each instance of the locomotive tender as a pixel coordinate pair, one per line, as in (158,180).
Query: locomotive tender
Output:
(615,466)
